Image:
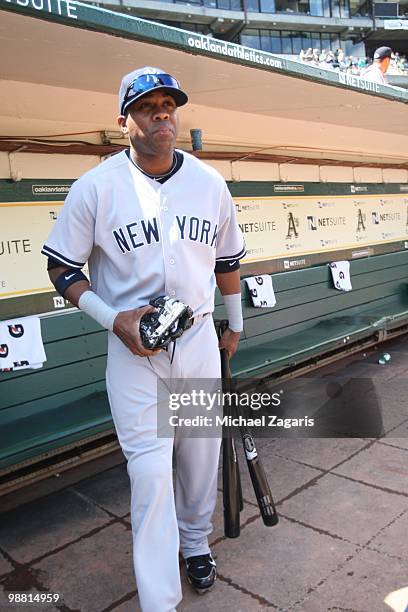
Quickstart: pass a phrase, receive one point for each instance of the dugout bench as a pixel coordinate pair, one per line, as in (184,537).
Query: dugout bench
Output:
(63,406)
(312,320)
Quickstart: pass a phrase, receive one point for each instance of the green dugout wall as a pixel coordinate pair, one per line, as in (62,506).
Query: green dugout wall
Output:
(47,411)
(317,164)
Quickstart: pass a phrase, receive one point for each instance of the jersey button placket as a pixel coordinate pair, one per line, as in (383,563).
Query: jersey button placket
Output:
(168,260)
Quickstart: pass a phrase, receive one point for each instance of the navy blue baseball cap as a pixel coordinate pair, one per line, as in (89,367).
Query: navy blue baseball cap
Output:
(382,52)
(142,81)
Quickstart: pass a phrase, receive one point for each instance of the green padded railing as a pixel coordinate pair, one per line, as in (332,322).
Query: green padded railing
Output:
(65,401)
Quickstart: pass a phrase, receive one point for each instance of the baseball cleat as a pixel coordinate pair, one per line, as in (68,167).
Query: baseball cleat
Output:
(201,572)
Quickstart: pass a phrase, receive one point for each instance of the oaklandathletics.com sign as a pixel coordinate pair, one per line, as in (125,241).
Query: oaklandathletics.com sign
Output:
(229,49)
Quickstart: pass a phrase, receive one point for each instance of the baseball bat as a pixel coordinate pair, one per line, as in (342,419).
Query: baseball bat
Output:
(231,481)
(230,488)
(228,386)
(259,481)
(256,470)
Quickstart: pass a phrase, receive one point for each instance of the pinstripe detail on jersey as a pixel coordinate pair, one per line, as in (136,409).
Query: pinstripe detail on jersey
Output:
(235,257)
(46,250)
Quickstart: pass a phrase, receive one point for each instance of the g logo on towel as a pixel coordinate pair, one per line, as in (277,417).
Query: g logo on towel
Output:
(16,330)
(4,350)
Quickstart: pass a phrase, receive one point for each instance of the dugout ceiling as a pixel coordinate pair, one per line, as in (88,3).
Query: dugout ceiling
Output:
(62,64)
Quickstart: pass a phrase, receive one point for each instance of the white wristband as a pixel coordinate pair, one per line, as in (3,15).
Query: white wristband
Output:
(96,308)
(233,307)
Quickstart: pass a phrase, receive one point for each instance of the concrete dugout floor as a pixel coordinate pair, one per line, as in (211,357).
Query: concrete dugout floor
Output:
(341,544)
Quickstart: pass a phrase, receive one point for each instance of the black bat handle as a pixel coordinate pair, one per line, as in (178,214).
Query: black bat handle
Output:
(230,489)
(231,481)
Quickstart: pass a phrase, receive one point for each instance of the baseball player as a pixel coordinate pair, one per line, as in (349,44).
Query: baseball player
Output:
(151,221)
(381,62)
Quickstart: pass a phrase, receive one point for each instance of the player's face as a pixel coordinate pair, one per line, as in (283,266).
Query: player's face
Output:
(152,123)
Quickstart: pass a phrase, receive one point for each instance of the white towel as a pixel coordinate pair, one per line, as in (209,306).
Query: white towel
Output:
(341,275)
(261,290)
(21,344)
(5,358)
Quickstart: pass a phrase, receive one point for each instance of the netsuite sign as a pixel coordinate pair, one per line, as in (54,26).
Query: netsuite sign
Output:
(360,83)
(66,8)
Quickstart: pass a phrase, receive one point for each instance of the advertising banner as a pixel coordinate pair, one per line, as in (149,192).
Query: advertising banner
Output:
(277,227)
(286,226)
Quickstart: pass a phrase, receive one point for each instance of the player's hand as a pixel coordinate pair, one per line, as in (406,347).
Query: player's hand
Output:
(126,327)
(229,341)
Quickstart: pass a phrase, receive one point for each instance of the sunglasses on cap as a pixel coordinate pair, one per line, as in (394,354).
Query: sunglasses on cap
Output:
(145,83)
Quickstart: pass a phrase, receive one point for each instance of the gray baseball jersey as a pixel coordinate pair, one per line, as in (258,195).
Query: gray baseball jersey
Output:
(375,74)
(143,238)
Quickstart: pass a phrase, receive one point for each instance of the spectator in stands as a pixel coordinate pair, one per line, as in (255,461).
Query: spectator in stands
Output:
(397,64)
(353,65)
(328,60)
(361,63)
(348,60)
(308,56)
(340,56)
(376,72)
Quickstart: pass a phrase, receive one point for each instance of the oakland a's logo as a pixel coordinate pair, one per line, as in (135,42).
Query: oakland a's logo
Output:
(360,221)
(293,222)
(16,331)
